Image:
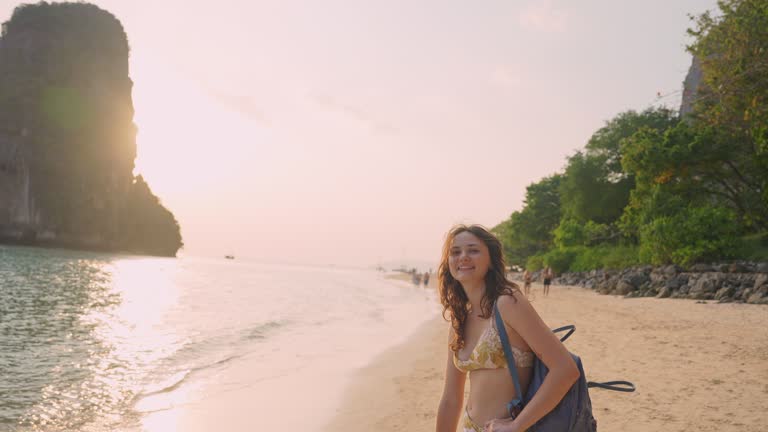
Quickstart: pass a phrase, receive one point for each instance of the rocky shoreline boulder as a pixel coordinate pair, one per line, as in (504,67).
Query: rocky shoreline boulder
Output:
(732,282)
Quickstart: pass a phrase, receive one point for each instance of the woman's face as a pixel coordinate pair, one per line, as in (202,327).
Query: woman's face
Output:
(468,258)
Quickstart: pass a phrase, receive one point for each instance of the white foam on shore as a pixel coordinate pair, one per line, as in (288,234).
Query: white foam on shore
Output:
(295,378)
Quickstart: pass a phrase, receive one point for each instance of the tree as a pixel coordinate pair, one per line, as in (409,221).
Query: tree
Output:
(691,235)
(689,164)
(529,230)
(732,103)
(147,225)
(595,186)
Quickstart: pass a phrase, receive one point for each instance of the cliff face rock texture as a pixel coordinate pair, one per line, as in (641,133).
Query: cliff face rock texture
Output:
(67,137)
(691,86)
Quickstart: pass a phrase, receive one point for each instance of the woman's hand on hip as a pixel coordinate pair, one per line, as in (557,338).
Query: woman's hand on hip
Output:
(501,425)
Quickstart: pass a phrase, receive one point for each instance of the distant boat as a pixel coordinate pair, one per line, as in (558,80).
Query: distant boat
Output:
(229,256)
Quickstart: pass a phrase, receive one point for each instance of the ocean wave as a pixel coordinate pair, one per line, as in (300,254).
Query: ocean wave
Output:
(231,340)
(262,330)
(167,385)
(176,380)
(216,363)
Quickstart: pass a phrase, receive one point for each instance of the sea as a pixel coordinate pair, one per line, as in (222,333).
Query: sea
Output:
(102,342)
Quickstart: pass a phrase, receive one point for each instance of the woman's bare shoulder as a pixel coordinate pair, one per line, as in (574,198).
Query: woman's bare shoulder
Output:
(514,307)
(514,300)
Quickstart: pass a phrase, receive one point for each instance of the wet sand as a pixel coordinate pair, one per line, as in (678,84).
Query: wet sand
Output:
(697,367)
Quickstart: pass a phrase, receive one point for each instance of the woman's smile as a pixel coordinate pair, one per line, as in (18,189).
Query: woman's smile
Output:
(469,258)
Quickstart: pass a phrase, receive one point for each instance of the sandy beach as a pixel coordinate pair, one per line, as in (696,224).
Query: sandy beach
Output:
(697,366)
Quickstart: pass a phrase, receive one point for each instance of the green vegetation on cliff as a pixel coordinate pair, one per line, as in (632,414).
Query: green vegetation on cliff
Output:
(651,187)
(65,101)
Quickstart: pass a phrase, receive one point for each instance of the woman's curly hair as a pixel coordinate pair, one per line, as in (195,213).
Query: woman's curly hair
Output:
(452,295)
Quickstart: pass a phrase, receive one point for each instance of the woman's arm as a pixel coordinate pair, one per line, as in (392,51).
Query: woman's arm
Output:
(449,410)
(519,315)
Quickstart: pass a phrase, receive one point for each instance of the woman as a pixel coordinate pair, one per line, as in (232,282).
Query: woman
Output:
(471,280)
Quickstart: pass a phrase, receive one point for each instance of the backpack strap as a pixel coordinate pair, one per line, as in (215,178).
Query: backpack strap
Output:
(516,404)
(622,386)
(571,328)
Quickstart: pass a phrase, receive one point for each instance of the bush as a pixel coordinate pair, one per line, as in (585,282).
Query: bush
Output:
(619,257)
(560,259)
(754,247)
(587,259)
(534,263)
(570,232)
(583,258)
(603,257)
(694,234)
(595,233)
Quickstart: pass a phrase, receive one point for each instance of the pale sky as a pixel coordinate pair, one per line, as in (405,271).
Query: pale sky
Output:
(349,132)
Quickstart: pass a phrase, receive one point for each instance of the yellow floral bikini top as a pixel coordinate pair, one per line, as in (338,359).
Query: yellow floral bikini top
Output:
(489,353)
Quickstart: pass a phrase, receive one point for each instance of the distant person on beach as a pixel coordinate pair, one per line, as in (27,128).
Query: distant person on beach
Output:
(471,281)
(527,279)
(548,275)
(426,279)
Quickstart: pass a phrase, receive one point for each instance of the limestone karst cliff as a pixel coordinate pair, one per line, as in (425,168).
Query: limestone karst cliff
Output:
(693,80)
(67,137)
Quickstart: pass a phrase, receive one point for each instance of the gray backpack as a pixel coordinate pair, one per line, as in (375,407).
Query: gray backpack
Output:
(574,412)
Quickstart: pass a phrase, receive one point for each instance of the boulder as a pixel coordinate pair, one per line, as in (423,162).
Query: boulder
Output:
(701,268)
(724,292)
(671,270)
(706,286)
(658,278)
(757,298)
(637,279)
(760,280)
(732,282)
(737,268)
(676,282)
(624,287)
